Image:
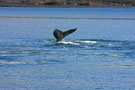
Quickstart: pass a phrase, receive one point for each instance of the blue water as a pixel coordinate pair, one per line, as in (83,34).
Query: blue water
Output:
(100,55)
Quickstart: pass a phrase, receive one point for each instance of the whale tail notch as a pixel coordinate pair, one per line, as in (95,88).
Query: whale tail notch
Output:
(59,35)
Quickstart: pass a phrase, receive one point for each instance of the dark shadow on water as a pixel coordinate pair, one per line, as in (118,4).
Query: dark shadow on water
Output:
(74,18)
(50,62)
(120,66)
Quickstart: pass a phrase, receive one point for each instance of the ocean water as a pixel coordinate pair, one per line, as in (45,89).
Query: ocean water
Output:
(100,55)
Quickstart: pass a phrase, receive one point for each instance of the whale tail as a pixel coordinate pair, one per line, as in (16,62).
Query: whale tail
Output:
(59,35)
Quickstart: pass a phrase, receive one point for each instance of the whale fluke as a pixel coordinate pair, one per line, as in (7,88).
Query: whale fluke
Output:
(59,35)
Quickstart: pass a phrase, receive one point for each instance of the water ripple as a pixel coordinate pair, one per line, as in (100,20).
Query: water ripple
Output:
(45,51)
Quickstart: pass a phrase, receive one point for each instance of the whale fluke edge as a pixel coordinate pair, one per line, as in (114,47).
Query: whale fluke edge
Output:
(59,35)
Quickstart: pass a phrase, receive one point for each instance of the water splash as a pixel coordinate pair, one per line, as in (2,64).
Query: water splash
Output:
(88,42)
(67,42)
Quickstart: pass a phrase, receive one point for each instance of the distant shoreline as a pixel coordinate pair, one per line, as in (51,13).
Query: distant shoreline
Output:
(61,6)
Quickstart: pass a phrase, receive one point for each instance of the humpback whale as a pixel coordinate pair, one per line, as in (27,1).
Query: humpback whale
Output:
(59,35)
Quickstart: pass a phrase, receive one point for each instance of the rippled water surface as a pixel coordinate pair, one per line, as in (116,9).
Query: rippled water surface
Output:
(100,55)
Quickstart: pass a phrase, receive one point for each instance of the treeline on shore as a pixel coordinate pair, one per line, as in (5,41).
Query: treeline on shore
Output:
(108,3)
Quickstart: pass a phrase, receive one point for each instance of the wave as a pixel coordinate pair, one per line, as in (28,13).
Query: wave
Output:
(88,42)
(11,63)
(60,62)
(77,18)
(31,62)
(97,44)
(46,51)
(67,42)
